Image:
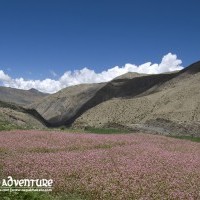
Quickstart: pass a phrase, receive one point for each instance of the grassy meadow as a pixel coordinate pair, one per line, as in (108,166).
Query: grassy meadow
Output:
(97,166)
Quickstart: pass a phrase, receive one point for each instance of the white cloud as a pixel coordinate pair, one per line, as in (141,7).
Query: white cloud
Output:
(169,63)
(4,77)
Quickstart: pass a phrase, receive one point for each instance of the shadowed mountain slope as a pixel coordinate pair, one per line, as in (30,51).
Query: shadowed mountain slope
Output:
(59,108)
(63,107)
(170,104)
(14,117)
(165,103)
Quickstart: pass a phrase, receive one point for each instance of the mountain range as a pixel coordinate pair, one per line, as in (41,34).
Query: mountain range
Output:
(161,103)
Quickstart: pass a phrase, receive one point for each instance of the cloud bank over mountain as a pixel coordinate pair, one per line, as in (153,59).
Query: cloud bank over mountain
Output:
(169,63)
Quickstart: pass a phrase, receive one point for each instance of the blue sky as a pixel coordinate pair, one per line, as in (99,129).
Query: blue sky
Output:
(38,37)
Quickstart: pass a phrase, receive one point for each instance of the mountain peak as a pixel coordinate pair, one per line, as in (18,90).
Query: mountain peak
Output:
(33,90)
(193,68)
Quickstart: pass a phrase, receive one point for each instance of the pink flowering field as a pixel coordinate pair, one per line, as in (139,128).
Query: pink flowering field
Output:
(102,166)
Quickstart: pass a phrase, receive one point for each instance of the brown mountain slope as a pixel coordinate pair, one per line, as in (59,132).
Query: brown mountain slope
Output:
(155,100)
(20,97)
(172,105)
(65,106)
(60,108)
(15,117)
(129,75)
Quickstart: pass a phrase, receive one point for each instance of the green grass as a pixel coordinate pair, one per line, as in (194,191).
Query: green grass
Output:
(38,196)
(25,196)
(105,130)
(193,139)
(90,130)
(6,126)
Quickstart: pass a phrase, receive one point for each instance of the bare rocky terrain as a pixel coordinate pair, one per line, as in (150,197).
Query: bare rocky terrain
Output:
(161,103)
(171,107)
(62,107)
(129,75)
(65,106)
(12,113)
(16,117)
(20,97)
